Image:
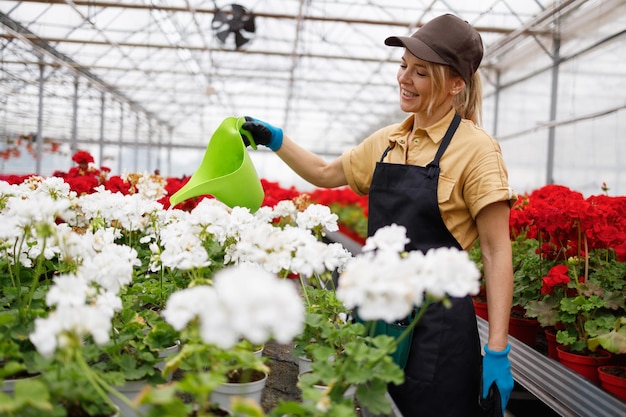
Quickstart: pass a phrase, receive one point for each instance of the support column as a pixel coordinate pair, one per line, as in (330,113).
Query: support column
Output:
(74,139)
(101,139)
(556,58)
(120,134)
(496,105)
(149,147)
(170,134)
(39,138)
(136,162)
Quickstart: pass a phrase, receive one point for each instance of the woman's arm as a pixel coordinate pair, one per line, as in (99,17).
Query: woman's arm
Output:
(312,167)
(495,244)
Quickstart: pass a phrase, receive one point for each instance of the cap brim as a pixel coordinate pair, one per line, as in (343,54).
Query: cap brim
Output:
(416,47)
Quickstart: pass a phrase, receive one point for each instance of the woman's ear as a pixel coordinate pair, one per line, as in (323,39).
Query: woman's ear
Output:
(458,85)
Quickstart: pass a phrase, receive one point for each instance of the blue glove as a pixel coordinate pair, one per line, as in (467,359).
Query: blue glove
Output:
(497,369)
(263,134)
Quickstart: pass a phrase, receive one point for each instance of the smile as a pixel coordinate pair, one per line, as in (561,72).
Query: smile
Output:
(408,93)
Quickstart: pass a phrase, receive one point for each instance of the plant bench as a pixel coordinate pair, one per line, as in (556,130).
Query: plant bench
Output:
(560,388)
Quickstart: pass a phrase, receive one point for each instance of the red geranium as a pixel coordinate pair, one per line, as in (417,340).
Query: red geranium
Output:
(557,275)
(82,158)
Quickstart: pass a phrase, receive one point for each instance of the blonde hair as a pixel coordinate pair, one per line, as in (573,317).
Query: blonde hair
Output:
(469,102)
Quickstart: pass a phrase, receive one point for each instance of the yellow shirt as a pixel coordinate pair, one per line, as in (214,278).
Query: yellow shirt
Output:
(472,170)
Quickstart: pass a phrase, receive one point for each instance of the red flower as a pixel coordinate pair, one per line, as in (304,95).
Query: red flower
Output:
(116,184)
(82,184)
(82,157)
(557,275)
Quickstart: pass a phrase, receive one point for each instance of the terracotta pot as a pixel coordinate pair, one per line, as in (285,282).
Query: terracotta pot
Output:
(480,306)
(612,382)
(524,329)
(585,365)
(552,343)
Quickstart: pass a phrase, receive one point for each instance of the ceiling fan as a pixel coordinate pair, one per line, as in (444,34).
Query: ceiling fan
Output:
(233,25)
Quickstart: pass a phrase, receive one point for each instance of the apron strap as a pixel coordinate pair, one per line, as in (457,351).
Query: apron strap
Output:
(433,167)
(385,153)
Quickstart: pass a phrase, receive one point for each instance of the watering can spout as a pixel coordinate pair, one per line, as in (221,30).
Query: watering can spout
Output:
(226,171)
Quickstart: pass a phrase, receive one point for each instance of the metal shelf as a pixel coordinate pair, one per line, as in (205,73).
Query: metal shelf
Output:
(557,386)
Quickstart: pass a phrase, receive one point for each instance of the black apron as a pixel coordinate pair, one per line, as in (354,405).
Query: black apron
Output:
(442,374)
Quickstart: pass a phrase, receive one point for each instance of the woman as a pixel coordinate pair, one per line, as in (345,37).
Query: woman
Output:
(444,179)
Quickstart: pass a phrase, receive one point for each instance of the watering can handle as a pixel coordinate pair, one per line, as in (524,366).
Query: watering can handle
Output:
(248,136)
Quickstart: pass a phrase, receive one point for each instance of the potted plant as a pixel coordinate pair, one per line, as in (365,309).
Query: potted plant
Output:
(212,321)
(612,377)
(349,356)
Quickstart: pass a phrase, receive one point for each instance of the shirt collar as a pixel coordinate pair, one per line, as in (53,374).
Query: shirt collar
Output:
(435,132)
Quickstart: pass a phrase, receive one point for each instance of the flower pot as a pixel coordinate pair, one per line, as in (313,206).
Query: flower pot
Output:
(304,364)
(552,343)
(524,329)
(223,394)
(130,390)
(584,364)
(8,385)
(348,394)
(613,380)
(164,356)
(480,306)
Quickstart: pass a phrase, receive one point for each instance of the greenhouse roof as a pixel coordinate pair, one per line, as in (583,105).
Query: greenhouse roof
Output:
(167,73)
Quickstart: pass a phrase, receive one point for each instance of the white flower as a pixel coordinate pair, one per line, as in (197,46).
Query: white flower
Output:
(285,208)
(71,322)
(67,290)
(185,305)
(386,285)
(391,238)
(112,267)
(244,302)
(211,217)
(317,215)
(182,247)
(378,284)
(259,304)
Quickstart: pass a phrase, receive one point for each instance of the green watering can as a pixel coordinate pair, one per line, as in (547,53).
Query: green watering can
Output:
(226,171)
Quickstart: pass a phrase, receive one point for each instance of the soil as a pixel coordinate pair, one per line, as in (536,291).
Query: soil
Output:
(618,371)
(283,378)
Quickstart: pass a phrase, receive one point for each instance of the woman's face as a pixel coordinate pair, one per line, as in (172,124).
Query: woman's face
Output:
(416,90)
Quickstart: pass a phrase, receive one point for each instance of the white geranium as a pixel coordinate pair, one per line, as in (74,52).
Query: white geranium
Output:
(212,219)
(67,290)
(112,267)
(244,302)
(150,186)
(185,305)
(130,212)
(71,323)
(386,284)
(260,304)
(392,238)
(182,247)
(377,284)
(317,215)
(285,208)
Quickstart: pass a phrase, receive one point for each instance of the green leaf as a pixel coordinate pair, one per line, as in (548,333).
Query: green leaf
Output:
(613,341)
(34,393)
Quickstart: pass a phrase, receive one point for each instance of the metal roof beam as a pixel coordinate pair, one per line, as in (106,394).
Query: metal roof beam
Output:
(136,6)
